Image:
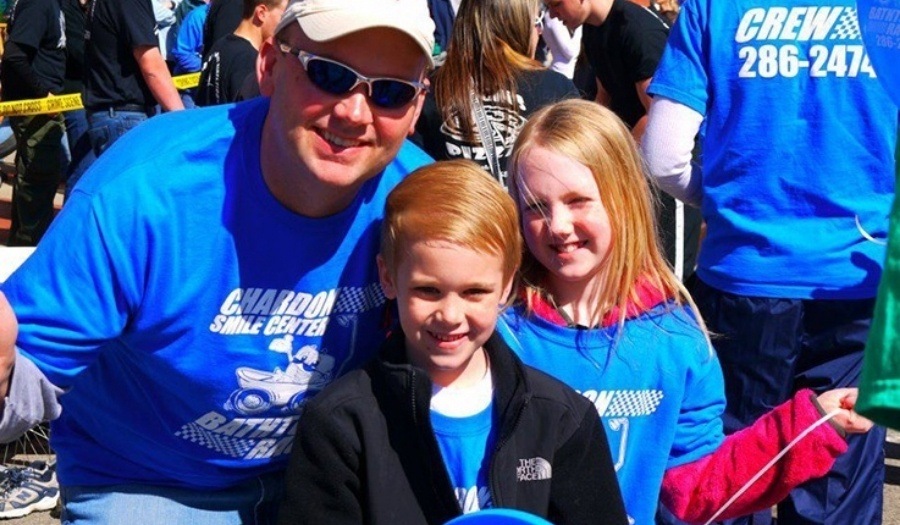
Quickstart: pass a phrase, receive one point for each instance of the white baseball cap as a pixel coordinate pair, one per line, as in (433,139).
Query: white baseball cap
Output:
(324,20)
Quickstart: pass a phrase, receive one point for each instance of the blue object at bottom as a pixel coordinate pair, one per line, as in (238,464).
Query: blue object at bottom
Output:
(499,517)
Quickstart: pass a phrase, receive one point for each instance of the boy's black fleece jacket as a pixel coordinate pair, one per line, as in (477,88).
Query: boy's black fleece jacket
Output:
(366,451)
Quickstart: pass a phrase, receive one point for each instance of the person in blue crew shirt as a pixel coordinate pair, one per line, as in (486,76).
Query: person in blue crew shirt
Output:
(194,294)
(795,185)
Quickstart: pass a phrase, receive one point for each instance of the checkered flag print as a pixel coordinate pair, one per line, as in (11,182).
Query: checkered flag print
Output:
(230,446)
(847,27)
(355,299)
(633,403)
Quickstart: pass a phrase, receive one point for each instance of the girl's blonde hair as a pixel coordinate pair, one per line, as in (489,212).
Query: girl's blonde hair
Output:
(595,137)
(454,201)
(489,49)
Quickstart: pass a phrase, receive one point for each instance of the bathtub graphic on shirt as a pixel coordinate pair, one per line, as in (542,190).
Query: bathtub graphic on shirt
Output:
(307,371)
(255,416)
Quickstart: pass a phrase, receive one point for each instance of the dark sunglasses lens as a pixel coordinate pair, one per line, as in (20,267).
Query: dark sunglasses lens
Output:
(330,77)
(392,93)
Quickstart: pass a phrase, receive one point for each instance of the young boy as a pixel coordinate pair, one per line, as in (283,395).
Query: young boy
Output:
(447,420)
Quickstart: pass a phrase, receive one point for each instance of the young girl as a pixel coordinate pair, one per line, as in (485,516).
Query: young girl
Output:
(602,311)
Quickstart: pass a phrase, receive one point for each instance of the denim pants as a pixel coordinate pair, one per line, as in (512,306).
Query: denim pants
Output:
(107,126)
(82,154)
(254,502)
(39,170)
(770,348)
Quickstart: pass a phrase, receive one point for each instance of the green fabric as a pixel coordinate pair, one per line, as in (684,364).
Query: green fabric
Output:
(39,171)
(879,387)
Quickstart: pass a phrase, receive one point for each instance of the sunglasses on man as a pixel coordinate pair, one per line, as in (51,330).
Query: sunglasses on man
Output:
(336,78)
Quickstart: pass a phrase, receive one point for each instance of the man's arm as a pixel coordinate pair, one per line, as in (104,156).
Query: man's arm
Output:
(19,58)
(9,330)
(32,399)
(667,145)
(157,76)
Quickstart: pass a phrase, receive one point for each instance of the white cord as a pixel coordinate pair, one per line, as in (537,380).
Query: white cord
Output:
(774,460)
(867,235)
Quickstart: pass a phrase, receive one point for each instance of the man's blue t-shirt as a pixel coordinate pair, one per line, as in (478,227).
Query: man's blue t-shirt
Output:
(188,312)
(798,149)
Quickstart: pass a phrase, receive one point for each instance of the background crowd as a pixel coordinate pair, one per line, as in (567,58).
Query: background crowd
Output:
(757,130)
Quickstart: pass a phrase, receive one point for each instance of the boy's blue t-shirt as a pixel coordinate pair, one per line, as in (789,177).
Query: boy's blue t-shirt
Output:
(798,149)
(466,444)
(188,312)
(655,383)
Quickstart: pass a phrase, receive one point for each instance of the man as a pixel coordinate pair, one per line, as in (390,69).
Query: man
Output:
(223,18)
(796,186)
(125,74)
(623,43)
(233,58)
(34,64)
(82,155)
(213,283)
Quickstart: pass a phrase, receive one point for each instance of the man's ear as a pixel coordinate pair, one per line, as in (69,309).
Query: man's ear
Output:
(420,102)
(259,14)
(387,282)
(265,65)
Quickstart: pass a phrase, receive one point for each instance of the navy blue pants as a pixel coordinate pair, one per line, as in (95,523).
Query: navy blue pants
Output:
(769,349)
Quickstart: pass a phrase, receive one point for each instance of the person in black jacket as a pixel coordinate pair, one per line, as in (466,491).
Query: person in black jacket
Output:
(34,63)
(447,420)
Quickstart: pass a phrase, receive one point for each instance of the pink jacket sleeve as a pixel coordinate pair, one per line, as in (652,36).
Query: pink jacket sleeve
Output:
(696,491)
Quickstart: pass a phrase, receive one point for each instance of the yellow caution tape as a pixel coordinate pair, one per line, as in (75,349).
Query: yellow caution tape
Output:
(40,106)
(57,104)
(187,81)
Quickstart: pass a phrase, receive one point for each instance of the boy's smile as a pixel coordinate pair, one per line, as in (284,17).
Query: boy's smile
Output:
(449,298)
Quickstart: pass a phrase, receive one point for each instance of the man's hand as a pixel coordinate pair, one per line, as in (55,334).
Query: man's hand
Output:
(9,330)
(844,400)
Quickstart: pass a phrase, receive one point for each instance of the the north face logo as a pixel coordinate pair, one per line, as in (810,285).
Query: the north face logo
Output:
(534,469)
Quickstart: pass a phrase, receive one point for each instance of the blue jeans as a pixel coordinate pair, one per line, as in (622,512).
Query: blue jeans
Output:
(254,502)
(106,127)
(82,154)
